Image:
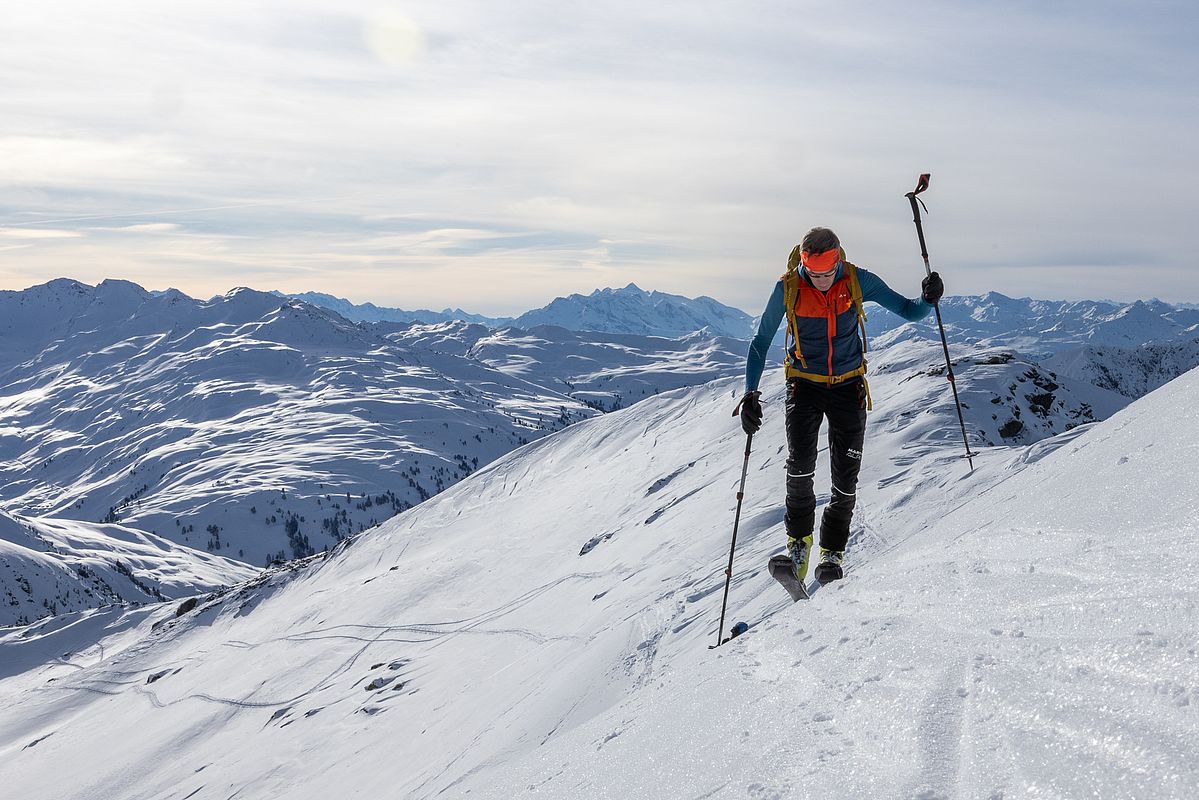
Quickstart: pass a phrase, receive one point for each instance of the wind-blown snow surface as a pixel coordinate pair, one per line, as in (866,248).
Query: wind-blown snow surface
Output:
(541,629)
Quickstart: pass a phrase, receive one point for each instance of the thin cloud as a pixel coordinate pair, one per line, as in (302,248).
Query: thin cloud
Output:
(38,233)
(147,227)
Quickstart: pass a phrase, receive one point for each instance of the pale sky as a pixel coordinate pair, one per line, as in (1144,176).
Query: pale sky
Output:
(494,155)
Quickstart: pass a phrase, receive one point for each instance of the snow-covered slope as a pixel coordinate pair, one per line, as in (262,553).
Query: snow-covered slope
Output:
(1036,641)
(54,566)
(541,629)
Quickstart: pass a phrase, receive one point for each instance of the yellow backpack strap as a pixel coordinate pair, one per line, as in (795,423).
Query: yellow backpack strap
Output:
(855,291)
(790,293)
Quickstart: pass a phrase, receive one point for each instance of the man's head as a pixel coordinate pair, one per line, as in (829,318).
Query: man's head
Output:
(820,254)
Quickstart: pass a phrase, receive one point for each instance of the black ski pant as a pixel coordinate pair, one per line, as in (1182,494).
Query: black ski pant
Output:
(808,404)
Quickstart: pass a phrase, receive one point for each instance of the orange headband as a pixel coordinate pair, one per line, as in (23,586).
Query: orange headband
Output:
(820,262)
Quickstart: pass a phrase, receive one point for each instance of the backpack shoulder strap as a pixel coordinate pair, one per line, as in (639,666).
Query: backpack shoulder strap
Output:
(790,280)
(855,291)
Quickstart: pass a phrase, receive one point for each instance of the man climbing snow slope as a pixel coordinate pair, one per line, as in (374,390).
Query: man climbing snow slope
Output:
(822,295)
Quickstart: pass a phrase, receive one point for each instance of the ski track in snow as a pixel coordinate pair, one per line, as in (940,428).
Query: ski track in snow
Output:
(435,631)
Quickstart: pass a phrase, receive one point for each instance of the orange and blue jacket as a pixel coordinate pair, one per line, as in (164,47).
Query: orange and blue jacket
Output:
(826,325)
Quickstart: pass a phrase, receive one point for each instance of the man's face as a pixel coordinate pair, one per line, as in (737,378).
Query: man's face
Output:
(822,280)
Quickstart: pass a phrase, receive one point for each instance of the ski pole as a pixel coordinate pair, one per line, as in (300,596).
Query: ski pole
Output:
(921,185)
(728,573)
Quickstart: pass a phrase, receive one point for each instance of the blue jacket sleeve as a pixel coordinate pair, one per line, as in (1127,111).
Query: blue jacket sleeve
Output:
(876,290)
(755,362)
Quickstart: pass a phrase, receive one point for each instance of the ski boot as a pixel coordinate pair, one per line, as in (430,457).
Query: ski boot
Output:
(799,550)
(829,569)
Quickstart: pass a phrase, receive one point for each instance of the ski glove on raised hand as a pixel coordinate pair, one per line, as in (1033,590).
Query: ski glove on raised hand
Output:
(751,412)
(932,288)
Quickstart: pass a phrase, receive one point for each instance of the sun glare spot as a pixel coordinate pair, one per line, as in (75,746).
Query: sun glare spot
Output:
(394,38)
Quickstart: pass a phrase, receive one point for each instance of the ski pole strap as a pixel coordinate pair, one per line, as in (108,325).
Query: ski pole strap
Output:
(921,185)
(741,402)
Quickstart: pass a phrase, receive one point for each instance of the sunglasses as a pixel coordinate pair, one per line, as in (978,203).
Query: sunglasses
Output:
(820,275)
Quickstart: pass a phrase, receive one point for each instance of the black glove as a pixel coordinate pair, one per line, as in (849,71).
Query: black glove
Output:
(932,288)
(751,412)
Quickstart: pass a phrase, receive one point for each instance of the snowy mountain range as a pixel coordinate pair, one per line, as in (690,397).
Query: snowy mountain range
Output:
(1130,348)
(1040,328)
(542,628)
(630,310)
(1037,328)
(251,426)
(369,312)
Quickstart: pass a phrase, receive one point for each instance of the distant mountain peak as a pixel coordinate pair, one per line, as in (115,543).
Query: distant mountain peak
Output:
(65,283)
(632,310)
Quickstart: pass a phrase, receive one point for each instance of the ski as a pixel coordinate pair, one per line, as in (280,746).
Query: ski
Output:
(827,573)
(782,569)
